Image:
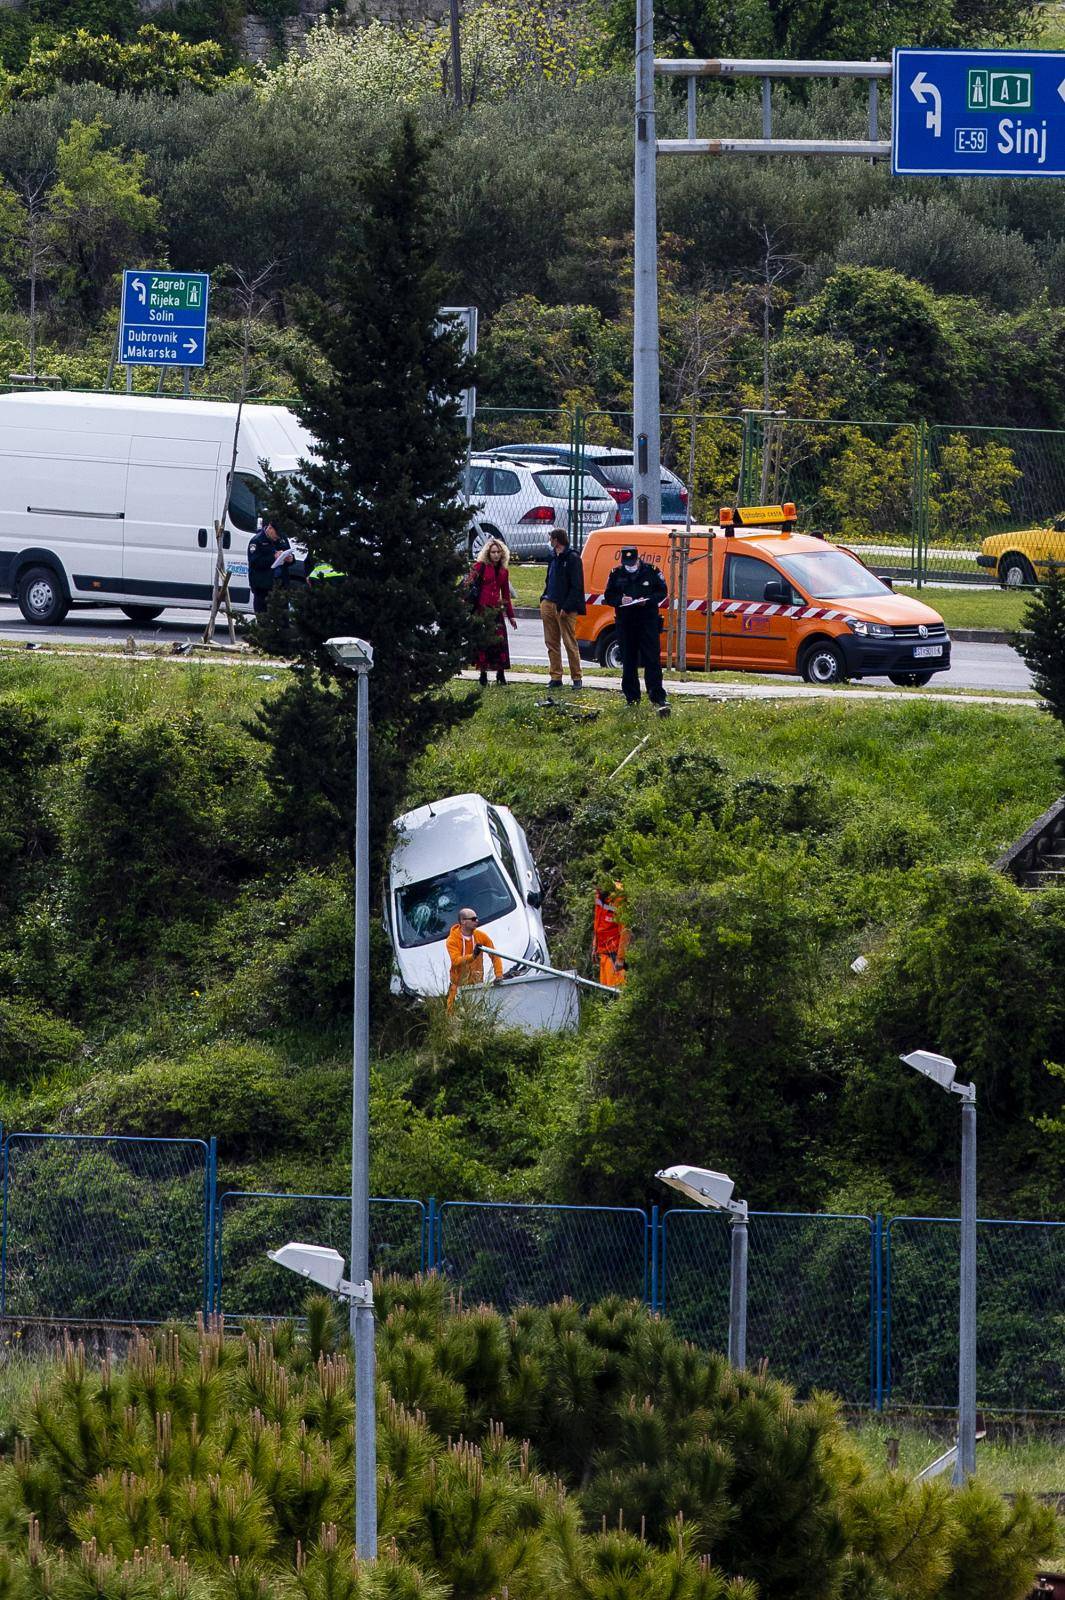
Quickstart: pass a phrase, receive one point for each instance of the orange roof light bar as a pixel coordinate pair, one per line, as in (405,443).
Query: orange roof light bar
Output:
(724,517)
(764,516)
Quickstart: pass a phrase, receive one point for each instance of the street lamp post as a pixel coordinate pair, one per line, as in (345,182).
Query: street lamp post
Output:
(714,1190)
(943,1071)
(355,655)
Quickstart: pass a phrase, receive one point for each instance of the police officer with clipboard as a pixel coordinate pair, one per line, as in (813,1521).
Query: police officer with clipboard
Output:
(636,589)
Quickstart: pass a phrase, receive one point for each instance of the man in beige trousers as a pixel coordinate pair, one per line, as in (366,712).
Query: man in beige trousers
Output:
(561,603)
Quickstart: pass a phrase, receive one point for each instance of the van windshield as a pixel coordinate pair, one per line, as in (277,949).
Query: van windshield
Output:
(427,911)
(832,575)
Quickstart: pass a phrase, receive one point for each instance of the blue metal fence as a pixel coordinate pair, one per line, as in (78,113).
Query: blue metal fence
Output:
(136,1230)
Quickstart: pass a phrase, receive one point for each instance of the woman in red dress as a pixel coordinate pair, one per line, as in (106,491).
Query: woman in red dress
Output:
(489,583)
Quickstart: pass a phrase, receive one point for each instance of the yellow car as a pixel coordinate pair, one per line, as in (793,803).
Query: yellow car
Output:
(1025,557)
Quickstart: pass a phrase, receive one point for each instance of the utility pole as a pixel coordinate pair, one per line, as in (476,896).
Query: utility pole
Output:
(646,403)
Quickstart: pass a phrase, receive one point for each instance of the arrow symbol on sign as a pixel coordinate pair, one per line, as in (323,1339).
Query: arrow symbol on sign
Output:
(922,90)
(142,293)
(1061,88)
(191,346)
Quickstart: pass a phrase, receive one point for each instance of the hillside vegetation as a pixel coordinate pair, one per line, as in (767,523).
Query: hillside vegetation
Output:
(168,966)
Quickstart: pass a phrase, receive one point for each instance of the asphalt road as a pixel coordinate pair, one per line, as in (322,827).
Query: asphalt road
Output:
(975,666)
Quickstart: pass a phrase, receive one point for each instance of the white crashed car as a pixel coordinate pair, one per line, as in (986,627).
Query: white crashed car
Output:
(457,852)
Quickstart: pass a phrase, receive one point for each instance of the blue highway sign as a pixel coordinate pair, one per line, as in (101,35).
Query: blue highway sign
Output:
(978,114)
(164,318)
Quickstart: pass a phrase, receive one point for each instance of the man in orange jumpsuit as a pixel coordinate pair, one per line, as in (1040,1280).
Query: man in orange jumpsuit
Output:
(467,946)
(611,940)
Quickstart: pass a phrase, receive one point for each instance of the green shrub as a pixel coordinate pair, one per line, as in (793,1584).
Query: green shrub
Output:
(32,1041)
(239,1091)
(162,830)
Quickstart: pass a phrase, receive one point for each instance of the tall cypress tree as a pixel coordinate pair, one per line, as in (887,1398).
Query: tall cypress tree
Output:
(380,504)
(1043,643)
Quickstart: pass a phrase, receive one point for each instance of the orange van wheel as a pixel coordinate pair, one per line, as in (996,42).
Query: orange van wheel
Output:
(821,662)
(608,649)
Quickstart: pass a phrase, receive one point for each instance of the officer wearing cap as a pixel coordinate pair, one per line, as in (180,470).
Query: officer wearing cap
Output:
(636,589)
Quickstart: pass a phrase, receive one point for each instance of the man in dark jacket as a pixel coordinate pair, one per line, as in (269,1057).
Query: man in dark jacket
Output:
(636,589)
(270,562)
(562,601)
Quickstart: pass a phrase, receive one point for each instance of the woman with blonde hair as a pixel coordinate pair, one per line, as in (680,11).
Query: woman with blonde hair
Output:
(489,590)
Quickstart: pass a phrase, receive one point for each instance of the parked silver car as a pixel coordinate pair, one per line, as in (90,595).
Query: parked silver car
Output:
(523,502)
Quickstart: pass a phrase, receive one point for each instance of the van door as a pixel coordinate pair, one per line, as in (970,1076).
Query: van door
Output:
(247,502)
(754,635)
(168,553)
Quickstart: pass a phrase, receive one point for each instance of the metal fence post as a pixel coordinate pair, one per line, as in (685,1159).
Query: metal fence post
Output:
(429,1244)
(877,1314)
(655,1261)
(921,505)
(211,1222)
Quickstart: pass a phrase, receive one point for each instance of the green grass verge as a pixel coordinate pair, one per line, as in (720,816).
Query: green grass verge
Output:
(980,774)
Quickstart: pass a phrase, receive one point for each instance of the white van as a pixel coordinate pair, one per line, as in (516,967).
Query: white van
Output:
(111,499)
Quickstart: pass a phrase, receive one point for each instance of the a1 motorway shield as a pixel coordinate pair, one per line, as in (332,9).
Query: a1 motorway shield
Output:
(978,114)
(164,318)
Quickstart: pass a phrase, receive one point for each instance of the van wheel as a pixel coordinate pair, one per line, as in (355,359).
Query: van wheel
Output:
(608,650)
(142,613)
(1014,571)
(910,680)
(41,596)
(822,663)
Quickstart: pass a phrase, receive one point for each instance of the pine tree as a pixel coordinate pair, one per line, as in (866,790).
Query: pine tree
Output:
(1043,644)
(380,504)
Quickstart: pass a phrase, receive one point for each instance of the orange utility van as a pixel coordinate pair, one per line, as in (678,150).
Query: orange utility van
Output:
(772,600)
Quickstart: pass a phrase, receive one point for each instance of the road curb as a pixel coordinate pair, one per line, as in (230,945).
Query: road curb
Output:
(986,635)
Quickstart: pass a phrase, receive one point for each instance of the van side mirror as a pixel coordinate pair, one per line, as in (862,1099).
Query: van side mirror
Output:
(777,591)
(889,582)
(535,899)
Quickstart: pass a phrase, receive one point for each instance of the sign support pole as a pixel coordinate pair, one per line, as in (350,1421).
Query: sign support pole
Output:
(646,401)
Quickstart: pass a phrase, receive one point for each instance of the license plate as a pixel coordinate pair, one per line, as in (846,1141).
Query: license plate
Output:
(928,649)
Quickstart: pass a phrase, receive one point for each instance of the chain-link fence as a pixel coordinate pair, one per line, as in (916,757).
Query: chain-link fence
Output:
(249,1284)
(105,1228)
(134,1230)
(812,1293)
(1020,1328)
(991,501)
(507,1255)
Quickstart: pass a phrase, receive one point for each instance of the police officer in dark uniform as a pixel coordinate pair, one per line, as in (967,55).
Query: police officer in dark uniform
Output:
(264,569)
(636,589)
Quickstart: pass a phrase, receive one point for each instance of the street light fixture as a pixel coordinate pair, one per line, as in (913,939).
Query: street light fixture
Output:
(941,1070)
(714,1190)
(322,1266)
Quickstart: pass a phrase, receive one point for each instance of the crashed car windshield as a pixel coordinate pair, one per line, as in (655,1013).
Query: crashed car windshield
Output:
(427,911)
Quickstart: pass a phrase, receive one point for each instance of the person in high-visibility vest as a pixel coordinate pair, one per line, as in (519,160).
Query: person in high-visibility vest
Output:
(322,571)
(467,947)
(611,939)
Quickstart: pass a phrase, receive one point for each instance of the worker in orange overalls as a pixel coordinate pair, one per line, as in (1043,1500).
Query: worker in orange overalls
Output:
(611,940)
(467,946)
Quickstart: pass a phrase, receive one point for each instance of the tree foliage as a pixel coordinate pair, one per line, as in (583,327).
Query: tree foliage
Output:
(1042,644)
(380,504)
(221,1468)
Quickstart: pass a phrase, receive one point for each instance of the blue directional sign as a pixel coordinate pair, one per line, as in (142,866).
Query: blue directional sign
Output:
(978,114)
(164,319)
